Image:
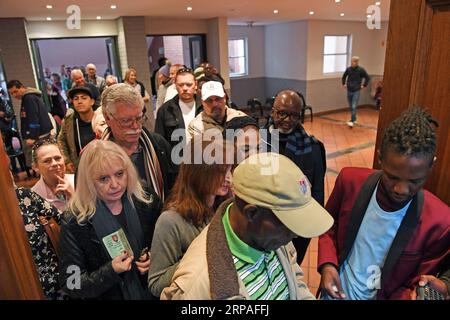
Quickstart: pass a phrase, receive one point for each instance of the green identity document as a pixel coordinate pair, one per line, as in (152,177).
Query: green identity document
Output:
(116,243)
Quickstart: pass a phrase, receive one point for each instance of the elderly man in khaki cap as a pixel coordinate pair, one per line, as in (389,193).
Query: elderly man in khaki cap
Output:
(246,251)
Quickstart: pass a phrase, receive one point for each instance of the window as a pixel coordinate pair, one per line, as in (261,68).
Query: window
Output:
(237,57)
(336,53)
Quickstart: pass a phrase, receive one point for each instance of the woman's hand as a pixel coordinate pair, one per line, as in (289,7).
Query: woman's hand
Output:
(64,187)
(122,263)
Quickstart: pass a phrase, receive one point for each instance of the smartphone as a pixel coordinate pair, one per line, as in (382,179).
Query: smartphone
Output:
(428,293)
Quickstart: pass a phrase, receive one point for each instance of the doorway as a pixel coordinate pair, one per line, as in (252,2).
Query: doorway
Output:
(59,56)
(189,50)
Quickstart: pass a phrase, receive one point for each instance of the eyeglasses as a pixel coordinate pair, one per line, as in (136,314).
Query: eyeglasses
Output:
(283,115)
(128,122)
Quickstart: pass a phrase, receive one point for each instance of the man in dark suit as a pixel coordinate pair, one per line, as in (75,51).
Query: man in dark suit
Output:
(388,230)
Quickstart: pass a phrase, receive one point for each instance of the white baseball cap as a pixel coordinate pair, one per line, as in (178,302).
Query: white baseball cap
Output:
(212,88)
(274,182)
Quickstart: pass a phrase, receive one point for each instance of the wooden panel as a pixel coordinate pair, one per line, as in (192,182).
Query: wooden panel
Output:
(417,72)
(437,99)
(441,5)
(18,276)
(399,63)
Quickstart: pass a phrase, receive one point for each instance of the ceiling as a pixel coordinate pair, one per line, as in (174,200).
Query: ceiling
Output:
(237,11)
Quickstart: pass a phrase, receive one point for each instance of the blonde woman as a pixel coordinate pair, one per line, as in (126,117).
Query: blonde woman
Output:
(105,236)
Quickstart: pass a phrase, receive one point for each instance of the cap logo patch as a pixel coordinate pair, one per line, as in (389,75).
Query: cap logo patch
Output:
(303,186)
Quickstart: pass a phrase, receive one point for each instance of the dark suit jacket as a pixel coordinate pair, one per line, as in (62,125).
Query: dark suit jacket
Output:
(420,246)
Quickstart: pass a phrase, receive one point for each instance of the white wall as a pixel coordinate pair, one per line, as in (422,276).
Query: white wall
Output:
(166,26)
(285,50)
(256,48)
(58,29)
(367,44)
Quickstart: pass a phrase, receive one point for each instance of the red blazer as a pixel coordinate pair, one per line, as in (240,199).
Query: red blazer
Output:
(420,246)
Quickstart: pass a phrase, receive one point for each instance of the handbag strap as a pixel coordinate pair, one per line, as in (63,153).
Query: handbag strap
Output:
(53,231)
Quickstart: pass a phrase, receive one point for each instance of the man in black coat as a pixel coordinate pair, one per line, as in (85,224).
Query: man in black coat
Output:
(179,111)
(34,117)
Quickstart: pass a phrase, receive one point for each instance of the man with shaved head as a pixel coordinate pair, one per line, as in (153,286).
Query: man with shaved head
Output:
(287,136)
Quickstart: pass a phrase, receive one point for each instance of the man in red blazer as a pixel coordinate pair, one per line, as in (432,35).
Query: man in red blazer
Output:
(388,230)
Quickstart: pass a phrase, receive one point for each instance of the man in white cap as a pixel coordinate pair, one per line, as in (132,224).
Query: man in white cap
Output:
(215,111)
(246,251)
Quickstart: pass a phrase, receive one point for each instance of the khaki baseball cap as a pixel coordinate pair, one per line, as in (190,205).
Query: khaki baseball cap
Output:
(273,181)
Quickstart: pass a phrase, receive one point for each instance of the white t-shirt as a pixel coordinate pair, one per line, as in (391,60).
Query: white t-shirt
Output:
(188,111)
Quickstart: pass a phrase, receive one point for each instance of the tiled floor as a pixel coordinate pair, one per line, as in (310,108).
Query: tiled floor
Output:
(344,147)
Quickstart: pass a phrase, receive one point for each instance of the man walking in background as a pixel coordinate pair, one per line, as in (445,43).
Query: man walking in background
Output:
(352,80)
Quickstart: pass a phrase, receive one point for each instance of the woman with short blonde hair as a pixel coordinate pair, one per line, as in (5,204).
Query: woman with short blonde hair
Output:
(106,234)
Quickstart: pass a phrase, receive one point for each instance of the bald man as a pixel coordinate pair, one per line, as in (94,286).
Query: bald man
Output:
(287,136)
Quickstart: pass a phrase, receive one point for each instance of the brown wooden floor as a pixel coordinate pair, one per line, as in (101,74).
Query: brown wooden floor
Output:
(345,147)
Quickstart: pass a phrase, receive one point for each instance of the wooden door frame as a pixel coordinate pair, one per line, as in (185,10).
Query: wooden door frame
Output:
(18,276)
(409,55)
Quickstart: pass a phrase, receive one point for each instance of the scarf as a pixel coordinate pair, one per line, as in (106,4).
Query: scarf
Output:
(104,224)
(298,142)
(152,166)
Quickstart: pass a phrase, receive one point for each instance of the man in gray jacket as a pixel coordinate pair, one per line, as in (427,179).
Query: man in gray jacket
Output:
(246,251)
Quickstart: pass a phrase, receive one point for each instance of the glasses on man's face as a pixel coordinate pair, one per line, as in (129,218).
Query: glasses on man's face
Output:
(294,116)
(128,122)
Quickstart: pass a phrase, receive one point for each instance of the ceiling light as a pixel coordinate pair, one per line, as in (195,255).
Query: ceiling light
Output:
(378,3)
(49,6)
(342,14)
(49,19)
(337,1)
(189,8)
(275,11)
(311,12)
(99,17)
(113,6)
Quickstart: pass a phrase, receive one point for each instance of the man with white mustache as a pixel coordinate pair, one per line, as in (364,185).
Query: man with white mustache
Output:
(150,152)
(292,141)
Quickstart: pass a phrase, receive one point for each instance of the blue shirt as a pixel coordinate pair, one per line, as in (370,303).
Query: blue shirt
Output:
(360,273)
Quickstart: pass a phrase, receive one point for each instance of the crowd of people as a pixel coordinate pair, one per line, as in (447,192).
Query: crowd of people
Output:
(210,205)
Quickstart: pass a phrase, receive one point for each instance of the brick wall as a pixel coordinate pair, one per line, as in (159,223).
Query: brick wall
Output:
(173,49)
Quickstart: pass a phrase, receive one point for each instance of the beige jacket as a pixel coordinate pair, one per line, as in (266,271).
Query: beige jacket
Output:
(202,122)
(207,271)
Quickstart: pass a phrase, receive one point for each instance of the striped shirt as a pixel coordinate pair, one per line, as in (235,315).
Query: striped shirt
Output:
(261,272)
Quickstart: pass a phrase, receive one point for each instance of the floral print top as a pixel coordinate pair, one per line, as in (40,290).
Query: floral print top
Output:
(32,206)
